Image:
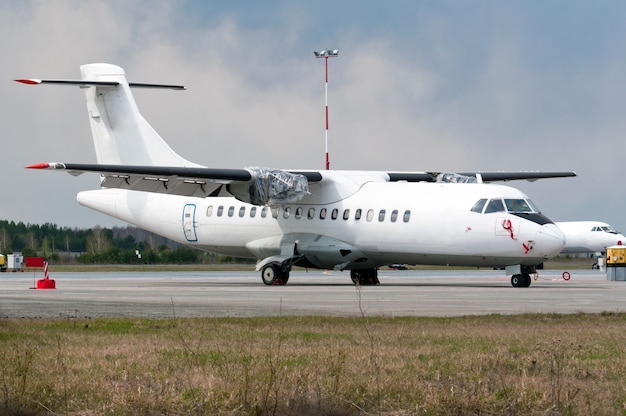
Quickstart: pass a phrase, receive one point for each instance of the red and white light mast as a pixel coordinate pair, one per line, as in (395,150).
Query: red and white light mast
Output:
(326,53)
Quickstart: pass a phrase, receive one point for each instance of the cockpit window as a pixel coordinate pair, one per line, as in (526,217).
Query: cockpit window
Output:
(495,205)
(606,229)
(517,205)
(479,205)
(533,206)
(512,205)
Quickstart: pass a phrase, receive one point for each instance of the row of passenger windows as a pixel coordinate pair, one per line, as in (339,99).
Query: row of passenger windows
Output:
(311,213)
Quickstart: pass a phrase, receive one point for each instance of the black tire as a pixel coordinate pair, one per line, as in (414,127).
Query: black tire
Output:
(516,280)
(355,275)
(521,280)
(364,277)
(273,275)
(269,274)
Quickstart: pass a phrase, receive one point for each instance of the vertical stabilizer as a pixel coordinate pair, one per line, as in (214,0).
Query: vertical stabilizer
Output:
(120,134)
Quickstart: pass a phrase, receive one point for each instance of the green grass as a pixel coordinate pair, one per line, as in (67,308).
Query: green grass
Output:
(527,364)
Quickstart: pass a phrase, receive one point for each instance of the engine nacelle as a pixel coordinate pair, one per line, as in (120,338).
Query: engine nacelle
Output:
(271,187)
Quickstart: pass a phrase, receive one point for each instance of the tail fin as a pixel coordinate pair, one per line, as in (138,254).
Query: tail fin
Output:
(120,134)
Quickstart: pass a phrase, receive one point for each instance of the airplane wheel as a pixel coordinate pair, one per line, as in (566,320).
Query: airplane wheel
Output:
(516,280)
(269,274)
(527,280)
(273,275)
(364,277)
(283,280)
(521,280)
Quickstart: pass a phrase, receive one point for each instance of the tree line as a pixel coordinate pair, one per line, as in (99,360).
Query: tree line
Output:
(117,245)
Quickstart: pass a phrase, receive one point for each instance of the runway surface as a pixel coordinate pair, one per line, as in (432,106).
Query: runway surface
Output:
(242,294)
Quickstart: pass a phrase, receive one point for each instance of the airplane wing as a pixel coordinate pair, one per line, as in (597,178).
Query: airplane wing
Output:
(530,176)
(468,177)
(256,185)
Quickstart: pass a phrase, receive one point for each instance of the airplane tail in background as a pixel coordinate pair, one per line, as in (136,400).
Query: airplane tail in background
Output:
(120,134)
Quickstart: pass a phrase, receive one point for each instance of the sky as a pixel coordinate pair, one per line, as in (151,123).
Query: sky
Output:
(418,86)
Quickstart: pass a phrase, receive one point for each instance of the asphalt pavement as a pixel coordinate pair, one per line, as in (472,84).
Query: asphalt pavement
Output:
(324,293)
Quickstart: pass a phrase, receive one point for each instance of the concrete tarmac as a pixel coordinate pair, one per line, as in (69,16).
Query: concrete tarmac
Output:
(242,294)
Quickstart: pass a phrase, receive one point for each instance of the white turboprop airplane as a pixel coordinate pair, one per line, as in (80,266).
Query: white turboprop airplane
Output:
(589,236)
(329,219)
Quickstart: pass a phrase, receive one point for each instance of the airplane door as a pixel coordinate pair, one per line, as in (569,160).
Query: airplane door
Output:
(189,222)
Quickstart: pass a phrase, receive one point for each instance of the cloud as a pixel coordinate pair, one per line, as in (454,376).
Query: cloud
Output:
(416,87)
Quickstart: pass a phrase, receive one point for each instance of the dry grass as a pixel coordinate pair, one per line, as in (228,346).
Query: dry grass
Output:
(516,365)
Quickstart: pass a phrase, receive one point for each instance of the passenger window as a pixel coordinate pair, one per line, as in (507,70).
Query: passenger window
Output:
(264,212)
(242,211)
(381,215)
(231,211)
(298,212)
(311,213)
(394,215)
(275,212)
(357,214)
(407,216)
(220,210)
(334,214)
(346,214)
(209,211)
(322,213)
(495,205)
(479,205)
(287,212)
(370,215)
(252,212)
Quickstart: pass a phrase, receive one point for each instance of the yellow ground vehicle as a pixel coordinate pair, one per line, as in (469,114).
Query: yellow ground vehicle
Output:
(10,262)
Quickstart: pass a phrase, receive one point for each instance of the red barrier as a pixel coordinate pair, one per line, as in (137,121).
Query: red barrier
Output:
(34,262)
(40,263)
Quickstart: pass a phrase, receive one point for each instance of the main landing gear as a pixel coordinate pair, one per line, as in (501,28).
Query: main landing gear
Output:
(521,280)
(274,275)
(365,277)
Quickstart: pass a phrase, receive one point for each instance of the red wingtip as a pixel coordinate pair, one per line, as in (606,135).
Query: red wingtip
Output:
(39,166)
(29,81)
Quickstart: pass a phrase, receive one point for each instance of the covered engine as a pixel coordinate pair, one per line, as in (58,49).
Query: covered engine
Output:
(271,187)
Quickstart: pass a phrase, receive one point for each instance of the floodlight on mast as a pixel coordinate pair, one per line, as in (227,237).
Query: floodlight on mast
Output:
(326,53)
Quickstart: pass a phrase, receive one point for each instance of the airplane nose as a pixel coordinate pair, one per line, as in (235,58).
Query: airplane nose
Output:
(551,240)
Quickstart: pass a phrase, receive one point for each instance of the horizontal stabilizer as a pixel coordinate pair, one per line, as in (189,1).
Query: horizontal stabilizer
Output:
(87,83)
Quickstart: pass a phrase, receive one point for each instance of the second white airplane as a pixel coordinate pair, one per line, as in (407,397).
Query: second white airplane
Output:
(341,220)
(589,236)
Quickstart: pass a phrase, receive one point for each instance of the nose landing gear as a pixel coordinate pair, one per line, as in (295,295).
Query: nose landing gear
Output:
(521,280)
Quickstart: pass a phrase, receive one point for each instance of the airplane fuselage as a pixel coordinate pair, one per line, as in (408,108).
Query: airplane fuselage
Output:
(380,223)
